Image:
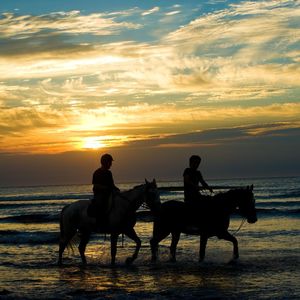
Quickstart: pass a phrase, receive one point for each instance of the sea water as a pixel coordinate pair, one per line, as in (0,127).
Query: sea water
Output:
(268,267)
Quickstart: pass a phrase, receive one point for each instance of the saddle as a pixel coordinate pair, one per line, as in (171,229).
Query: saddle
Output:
(196,213)
(102,209)
(99,208)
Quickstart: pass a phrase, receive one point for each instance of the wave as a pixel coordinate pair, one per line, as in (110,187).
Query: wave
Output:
(35,205)
(165,193)
(15,237)
(278,203)
(276,211)
(46,197)
(278,195)
(273,233)
(18,237)
(31,218)
(142,216)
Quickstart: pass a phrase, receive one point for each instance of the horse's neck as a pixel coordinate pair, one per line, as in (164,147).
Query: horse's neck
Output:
(227,201)
(133,198)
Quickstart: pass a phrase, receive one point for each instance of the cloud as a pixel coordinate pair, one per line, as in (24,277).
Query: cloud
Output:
(70,122)
(151,11)
(248,32)
(222,136)
(214,53)
(61,22)
(19,120)
(72,75)
(172,13)
(41,47)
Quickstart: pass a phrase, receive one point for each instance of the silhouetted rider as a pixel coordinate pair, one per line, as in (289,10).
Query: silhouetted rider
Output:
(191,178)
(103,188)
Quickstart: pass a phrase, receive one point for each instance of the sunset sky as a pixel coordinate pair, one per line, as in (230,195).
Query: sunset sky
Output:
(151,82)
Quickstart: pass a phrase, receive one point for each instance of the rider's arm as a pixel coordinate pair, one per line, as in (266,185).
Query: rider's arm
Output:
(205,185)
(113,186)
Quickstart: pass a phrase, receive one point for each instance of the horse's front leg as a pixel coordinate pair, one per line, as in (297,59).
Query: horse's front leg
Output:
(132,235)
(229,237)
(175,239)
(62,246)
(203,242)
(113,247)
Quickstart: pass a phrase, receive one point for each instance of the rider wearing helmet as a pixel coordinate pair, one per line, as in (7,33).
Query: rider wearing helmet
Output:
(103,188)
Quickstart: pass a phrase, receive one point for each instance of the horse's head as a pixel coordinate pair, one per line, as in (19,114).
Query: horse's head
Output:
(152,198)
(247,204)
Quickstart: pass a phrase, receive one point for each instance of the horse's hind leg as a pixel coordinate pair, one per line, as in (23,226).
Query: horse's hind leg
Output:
(154,249)
(132,235)
(203,242)
(113,247)
(63,243)
(154,242)
(229,237)
(175,239)
(85,236)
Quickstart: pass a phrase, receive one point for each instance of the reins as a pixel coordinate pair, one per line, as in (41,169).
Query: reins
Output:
(127,199)
(241,225)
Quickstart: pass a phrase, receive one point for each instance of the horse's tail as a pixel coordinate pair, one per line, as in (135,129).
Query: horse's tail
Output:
(65,237)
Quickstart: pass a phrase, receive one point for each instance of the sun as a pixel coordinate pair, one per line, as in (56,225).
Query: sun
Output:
(92,143)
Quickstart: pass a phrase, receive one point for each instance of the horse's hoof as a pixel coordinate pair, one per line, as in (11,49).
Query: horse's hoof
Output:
(153,260)
(233,261)
(113,264)
(129,260)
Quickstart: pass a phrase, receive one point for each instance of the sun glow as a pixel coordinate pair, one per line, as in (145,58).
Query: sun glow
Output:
(93,143)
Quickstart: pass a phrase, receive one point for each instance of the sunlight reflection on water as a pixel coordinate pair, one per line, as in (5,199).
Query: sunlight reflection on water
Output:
(268,258)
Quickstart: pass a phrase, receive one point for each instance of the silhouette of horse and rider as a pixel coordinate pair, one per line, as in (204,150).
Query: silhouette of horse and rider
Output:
(114,212)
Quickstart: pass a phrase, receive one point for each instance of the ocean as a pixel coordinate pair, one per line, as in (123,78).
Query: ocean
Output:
(268,267)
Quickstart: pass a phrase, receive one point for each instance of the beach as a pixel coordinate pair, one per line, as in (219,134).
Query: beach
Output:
(268,267)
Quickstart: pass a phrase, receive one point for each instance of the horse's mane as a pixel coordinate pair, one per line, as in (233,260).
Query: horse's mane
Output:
(232,194)
(130,190)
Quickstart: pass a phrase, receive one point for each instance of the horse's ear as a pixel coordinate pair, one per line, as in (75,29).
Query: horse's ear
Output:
(250,188)
(154,180)
(146,181)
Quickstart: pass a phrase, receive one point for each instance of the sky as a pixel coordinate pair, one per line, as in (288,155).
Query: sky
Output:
(151,82)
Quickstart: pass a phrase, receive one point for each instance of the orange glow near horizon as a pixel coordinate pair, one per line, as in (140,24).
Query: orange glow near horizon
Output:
(93,143)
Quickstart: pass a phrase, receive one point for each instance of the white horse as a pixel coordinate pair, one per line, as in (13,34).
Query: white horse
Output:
(121,219)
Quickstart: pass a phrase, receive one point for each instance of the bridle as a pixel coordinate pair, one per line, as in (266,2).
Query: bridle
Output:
(153,191)
(241,225)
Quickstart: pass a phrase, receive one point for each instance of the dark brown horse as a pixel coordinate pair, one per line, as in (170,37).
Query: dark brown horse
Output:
(211,218)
